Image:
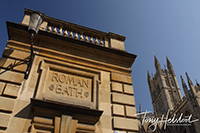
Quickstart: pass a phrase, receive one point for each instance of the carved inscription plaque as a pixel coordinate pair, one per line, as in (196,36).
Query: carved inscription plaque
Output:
(68,85)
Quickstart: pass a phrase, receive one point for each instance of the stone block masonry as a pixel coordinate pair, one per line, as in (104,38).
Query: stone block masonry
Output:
(123,103)
(80,80)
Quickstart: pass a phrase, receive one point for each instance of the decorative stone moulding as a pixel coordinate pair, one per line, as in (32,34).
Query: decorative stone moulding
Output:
(67,85)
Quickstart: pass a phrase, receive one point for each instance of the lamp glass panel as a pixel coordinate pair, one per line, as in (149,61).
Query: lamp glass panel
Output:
(35,22)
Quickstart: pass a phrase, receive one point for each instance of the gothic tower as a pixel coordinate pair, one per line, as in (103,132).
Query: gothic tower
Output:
(166,95)
(165,91)
(164,88)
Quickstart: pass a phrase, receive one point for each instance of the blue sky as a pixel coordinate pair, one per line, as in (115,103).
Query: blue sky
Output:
(170,27)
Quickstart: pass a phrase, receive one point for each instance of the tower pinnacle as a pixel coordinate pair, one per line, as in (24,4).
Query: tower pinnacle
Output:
(185,89)
(157,64)
(197,84)
(188,79)
(168,62)
(149,76)
(169,66)
(140,109)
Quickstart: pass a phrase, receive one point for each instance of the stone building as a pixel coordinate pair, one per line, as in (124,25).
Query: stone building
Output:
(79,81)
(166,96)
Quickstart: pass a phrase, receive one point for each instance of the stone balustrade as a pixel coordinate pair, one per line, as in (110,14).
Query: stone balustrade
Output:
(75,33)
(81,33)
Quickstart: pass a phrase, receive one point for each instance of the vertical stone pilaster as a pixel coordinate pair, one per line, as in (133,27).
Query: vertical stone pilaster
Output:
(57,125)
(65,125)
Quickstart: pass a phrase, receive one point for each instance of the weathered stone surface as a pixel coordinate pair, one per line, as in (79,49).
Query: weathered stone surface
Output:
(43,120)
(43,126)
(105,96)
(125,123)
(85,127)
(57,124)
(26,19)
(106,107)
(117,44)
(21,68)
(68,87)
(106,122)
(104,130)
(20,124)
(2,85)
(130,111)
(40,130)
(128,89)
(11,76)
(4,119)
(106,42)
(118,109)
(12,64)
(73,126)
(104,89)
(7,104)
(123,99)
(11,90)
(116,87)
(65,124)
(8,52)
(43,26)
(121,78)
(3,62)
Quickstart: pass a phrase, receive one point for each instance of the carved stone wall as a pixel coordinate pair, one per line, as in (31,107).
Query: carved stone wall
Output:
(73,86)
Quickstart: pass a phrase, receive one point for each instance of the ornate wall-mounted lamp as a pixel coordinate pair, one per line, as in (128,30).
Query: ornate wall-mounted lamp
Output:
(36,20)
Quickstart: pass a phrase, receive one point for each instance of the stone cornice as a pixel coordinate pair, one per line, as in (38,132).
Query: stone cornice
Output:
(113,56)
(59,108)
